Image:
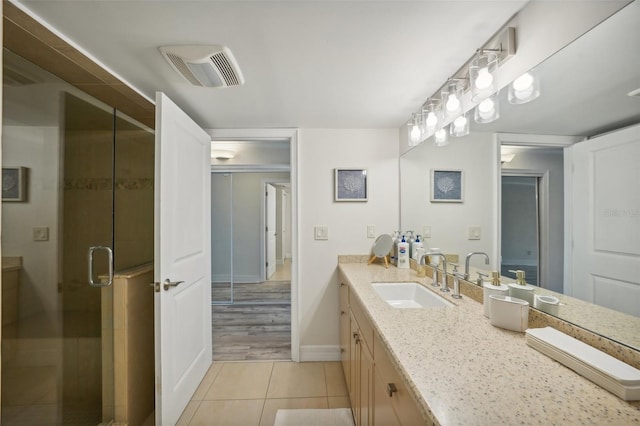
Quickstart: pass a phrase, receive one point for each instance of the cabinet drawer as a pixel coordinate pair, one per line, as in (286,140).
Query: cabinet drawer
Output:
(366,329)
(401,401)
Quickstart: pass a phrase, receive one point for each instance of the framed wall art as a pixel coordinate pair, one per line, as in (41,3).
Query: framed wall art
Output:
(14,184)
(350,185)
(447,186)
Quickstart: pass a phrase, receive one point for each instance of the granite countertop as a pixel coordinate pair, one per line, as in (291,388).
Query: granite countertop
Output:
(464,371)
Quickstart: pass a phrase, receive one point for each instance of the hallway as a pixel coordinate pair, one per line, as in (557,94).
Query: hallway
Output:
(257,326)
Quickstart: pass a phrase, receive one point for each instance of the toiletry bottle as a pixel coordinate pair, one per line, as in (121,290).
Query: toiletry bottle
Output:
(410,240)
(403,254)
(495,288)
(520,289)
(396,241)
(417,244)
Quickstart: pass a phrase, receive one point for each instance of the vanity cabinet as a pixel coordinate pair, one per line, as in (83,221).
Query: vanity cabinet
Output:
(378,394)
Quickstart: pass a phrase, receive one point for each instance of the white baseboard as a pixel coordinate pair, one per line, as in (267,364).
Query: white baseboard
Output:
(319,353)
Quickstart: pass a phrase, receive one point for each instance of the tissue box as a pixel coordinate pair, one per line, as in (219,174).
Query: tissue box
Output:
(509,312)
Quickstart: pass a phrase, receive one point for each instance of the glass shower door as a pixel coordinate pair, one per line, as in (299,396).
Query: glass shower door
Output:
(57,351)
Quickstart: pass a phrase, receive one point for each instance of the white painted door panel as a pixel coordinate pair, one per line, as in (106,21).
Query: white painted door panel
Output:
(271,229)
(183,253)
(606,220)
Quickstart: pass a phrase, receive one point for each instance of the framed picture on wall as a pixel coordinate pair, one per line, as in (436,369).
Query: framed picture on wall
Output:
(350,185)
(446,186)
(14,184)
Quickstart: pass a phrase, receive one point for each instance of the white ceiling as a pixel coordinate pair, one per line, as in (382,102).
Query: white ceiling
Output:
(314,64)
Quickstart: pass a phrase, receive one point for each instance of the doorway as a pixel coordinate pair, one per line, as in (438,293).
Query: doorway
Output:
(520,234)
(251,274)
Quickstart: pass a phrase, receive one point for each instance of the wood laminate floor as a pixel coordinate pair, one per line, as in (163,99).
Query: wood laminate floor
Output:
(256,326)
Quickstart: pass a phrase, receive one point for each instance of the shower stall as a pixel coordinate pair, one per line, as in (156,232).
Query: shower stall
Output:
(85,213)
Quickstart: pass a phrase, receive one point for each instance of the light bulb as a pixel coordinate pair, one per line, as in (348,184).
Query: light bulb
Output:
(453,103)
(415,133)
(441,137)
(486,108)
(484,80)
(431,120)
(459,123)
(524,82)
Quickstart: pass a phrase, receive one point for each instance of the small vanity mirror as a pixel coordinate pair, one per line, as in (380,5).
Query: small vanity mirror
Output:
(381,248)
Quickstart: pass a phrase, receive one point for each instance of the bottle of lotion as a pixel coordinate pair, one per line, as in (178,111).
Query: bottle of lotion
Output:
(403,254)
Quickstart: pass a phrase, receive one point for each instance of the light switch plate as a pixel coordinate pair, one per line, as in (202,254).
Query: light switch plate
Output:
(475,232)
(371,231)
(41,233)
(321,232)
(426,232)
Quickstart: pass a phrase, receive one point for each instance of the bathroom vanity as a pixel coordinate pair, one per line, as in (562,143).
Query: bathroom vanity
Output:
(449,365)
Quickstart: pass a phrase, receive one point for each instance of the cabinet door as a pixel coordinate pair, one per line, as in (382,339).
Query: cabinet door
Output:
(366,386)
(354,369)
(345,334)
(383,414)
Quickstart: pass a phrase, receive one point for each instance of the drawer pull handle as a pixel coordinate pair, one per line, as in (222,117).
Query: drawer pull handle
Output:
(356,337)
(341,284)
(391,389)
(342,312)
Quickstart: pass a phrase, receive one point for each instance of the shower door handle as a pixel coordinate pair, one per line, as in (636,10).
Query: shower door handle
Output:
(92,250)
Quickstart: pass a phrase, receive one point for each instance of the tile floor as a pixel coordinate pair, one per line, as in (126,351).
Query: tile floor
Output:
(250,393)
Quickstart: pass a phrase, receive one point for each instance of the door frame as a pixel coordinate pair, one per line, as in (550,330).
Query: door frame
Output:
(542,189)
(290,135)
(263,222)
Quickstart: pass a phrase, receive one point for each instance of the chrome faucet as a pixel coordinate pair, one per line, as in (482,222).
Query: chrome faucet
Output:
(466,262)
(436,283)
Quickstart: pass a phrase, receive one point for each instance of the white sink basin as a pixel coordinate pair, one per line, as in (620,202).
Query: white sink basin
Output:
(409,295)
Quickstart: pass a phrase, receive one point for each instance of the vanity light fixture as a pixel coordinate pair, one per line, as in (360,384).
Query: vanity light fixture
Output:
(452,98)
(441,137)
(488,110)
(437,116)
(525,88)
(460,126)
(432,117)
(415,131)
(482,74)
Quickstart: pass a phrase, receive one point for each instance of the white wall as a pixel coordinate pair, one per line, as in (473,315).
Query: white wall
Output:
(476,156)
(319,152)
(37,149)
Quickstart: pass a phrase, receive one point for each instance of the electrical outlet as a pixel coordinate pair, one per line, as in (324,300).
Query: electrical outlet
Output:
(371,231)
(41,233)
(474,232)
(426,232)
(321,232)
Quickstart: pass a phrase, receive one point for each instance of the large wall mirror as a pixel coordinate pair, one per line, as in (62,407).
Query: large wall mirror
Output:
(587,90)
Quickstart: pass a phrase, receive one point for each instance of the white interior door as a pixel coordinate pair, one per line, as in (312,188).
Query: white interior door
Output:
(182,255)
(270,220)
(605,221)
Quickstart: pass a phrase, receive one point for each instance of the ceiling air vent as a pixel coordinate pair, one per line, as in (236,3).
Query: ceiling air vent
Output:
(207,66)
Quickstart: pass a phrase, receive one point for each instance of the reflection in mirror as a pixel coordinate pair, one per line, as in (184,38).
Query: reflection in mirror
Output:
(586,91)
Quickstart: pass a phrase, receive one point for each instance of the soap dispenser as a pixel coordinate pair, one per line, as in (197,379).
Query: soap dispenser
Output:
(520,289)
(495,288)
(403,254)
(417,245)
